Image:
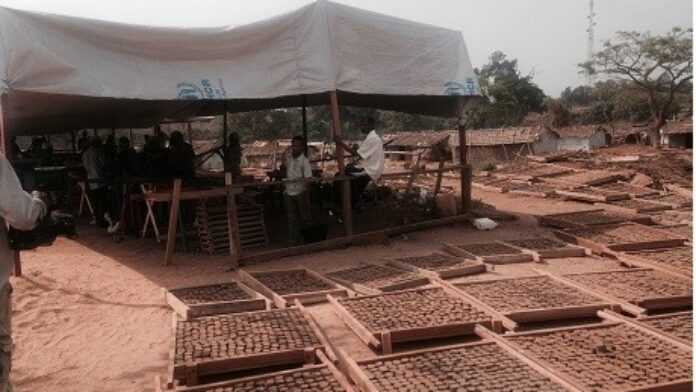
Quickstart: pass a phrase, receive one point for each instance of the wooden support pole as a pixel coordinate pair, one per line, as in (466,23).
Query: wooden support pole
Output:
(438,181)
(346,199)
(72,140)
(232,223)
(224,126)
(3,127)
(173,220)
(304,125)
(465,173)
(190,134)
(414,172)
(130,134)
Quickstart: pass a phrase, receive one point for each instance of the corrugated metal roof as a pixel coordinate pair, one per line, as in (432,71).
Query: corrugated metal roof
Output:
(260,148)
(423,139)
(678,127)
(578,131)
(498,136)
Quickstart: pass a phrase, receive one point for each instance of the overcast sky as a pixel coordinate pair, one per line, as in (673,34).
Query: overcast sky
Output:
(548,37)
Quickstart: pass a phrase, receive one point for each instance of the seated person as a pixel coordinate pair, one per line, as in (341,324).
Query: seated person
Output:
(370,160)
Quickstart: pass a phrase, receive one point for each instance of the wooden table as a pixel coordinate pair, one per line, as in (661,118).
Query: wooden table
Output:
(174,197)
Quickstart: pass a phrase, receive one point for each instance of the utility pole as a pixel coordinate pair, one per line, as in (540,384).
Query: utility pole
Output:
(590,42)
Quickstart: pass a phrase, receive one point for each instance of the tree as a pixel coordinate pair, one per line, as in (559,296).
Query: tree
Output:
(580,96)
(659,66)
(512,95)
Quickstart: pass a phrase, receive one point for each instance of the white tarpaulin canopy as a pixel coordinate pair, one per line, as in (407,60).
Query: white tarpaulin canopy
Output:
(62,73)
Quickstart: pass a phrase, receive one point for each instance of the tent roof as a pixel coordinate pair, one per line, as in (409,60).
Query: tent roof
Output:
(64,73)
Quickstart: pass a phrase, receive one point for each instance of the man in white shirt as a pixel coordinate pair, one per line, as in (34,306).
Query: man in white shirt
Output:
(21,211)
(371,156)
(371,152)
(296,197)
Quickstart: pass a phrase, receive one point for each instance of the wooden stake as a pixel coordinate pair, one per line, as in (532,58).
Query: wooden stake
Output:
(465,173)
(304,126)
(173,219)
(232,223)
(346,200)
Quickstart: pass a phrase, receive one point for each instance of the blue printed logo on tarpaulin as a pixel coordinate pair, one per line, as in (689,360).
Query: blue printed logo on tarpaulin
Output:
(457,88)
(203,90)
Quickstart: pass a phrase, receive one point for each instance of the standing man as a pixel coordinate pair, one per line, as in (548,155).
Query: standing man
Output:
(296,198)
(93,162)
(21,211)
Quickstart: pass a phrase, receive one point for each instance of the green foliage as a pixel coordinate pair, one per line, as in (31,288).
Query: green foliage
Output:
(578,96)
(558,113)
(512,95)
(656,69)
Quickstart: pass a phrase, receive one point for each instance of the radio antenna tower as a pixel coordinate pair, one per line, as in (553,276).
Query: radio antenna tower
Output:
(590,42)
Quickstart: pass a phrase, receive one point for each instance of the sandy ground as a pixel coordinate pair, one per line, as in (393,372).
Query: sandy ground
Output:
(89,314)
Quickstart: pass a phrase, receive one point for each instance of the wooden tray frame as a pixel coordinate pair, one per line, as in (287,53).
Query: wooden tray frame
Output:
(657,207)
(287,300)
(645,192)
(634,260)
(578,194)
(558,313)
(366,290)
(257,302)
(488,187)
(609,177)
(191,372)
(529,193)
(492,259)
(637,307)
(571,237)
(477,268)
(675,206)
(558,221)
(384,340)
(354,371)
(678,385)
(684,344)
(553,253)
(674,226)
(323,363)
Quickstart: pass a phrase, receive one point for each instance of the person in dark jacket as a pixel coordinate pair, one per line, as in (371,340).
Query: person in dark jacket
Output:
(180,157)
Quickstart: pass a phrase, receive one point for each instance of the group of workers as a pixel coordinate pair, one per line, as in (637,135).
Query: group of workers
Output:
(370,166)
(107,164)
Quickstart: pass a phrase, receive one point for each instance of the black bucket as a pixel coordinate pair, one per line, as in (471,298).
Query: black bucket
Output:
(315,233)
